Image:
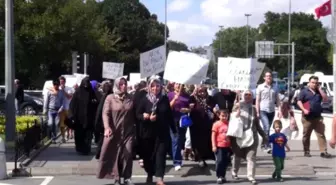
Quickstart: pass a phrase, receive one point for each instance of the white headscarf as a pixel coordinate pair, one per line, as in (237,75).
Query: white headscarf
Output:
(116,88)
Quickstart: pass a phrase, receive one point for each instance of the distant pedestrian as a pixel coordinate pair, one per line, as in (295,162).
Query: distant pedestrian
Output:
(19,95)
(279,143)
(332,142)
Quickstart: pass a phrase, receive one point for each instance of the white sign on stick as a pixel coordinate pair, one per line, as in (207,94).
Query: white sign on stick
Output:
(152,62)
(239,73)
(185,68)
(112,70)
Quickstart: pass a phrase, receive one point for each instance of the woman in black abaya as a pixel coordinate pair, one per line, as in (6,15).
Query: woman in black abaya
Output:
(83,107)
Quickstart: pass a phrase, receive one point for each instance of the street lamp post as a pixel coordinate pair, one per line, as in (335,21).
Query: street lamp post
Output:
(9,72)
(220,40)
(165,30)
(290,74)
(247,33)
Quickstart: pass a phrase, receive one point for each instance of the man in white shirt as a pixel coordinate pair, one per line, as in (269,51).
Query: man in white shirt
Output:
(68,91)
(266,100)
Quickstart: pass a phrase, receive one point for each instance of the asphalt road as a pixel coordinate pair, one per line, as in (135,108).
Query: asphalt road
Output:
(170,180)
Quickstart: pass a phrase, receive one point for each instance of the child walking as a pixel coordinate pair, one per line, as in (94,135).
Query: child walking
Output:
(221,145)
(279,143)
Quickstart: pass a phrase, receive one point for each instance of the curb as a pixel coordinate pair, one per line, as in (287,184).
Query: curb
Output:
(333,174)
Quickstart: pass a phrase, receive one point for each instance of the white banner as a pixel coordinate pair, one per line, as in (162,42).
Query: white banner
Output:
(112,70)
(185,68)
(239,73)
(152,62)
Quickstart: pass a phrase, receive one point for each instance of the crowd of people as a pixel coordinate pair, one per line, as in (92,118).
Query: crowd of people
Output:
(183,121)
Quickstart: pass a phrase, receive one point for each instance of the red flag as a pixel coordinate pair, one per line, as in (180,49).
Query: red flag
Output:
(323,10)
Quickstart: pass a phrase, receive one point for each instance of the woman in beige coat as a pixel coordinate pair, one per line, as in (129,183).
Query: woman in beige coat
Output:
(246,146)
(116,157)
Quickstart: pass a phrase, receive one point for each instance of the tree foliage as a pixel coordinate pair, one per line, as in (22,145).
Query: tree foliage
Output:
(47,31)
(177,46)
(308,34)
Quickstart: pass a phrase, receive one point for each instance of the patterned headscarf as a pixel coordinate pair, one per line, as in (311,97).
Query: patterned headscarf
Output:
(202,101)
(154,98)
(116,88)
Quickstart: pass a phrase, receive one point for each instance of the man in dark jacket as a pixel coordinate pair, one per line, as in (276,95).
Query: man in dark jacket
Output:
(19,95)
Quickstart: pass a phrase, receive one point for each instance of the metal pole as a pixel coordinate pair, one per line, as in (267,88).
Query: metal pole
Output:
(74,62)
(290,81)
(333,3)
(165,30)
(293,61)
(247,33)
(85,63)
(9,72)
(220,41)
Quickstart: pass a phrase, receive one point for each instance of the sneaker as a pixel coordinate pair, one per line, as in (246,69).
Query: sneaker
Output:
(219,181)
(202,164)
(128,182)
(325,155)
(280,179)
(178,168)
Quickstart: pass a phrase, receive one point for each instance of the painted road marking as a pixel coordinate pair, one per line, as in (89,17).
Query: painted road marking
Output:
(46,181)
(145,176)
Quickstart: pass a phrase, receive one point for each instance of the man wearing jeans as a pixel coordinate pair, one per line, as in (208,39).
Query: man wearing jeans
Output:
(266,100)
(54,102)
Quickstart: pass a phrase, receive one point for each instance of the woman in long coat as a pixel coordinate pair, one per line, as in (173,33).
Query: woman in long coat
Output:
(156,118)
(200,131)
(82,107)
(119,131)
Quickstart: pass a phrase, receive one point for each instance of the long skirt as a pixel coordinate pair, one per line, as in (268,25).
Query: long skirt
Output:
(116,158)
(83,139)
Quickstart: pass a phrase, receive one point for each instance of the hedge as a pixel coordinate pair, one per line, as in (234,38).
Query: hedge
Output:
(21,123)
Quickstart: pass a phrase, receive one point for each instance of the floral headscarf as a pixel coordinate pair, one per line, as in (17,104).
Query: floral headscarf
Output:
(154,98)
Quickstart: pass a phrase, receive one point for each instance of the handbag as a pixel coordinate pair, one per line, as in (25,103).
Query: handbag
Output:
(70,123)
(185,121)
(235,127)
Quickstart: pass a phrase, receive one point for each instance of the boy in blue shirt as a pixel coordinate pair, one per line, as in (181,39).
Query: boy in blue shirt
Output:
(279,143)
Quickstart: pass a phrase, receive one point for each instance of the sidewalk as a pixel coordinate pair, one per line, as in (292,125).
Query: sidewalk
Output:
(61,159)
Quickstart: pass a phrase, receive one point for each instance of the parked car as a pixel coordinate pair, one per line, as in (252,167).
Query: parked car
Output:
(31,105)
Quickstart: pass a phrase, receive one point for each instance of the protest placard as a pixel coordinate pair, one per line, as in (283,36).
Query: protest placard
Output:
(185,68)
(152,62)
(239,73)
(112,70)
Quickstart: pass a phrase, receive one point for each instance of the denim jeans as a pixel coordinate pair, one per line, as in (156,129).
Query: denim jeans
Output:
(222,161)
(266,120)
(53,123)
(177,145)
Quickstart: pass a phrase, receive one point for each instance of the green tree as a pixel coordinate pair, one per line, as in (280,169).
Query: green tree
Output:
(138,29)
(311,46)
(232,41)
(177,46)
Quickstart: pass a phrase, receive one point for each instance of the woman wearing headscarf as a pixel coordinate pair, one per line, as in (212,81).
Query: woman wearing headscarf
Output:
(95,86)
(156,119)
(202,117)
(99,126)
(82,106)
(116,158)
(246,146)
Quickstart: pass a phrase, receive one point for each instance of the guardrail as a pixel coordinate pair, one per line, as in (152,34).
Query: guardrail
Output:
(32,138)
